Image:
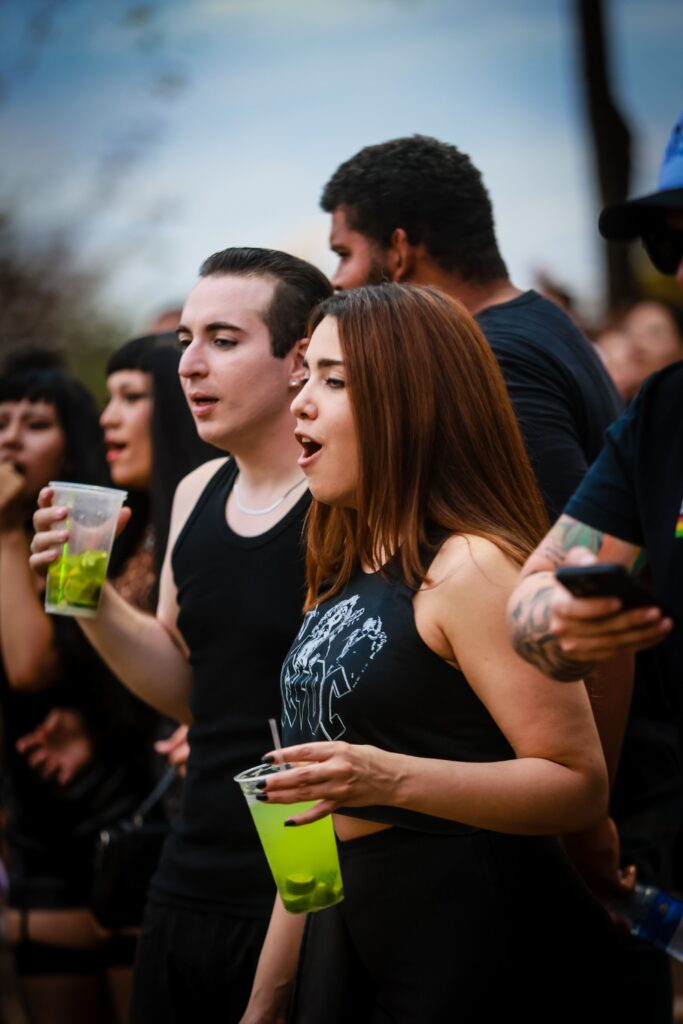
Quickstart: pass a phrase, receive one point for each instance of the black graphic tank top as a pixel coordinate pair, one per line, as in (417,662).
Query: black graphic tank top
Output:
(359,671)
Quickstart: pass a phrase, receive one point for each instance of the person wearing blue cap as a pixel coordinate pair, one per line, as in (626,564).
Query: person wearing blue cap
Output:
(657,219)
(631,500)
(629,510)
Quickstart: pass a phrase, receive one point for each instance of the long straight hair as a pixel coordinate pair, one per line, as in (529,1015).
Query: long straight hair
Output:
(439,447)
(177,449)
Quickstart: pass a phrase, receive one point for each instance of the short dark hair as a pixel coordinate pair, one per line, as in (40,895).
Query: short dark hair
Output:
(432,191)
(299,287)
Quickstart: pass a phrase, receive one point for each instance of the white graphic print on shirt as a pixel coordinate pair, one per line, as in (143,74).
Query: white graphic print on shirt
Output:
(329,656)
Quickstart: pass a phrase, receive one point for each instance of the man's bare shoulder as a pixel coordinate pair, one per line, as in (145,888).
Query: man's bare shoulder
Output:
(189,489)
(192,485)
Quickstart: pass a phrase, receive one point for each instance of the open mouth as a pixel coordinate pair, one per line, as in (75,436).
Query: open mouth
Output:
(114,449)
(201,404)
(16,466)
(310,449)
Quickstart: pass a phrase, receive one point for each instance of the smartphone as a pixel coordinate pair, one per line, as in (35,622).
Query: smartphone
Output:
(605,579)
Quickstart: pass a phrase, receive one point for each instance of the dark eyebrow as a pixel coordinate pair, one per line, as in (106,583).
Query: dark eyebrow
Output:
(218,325)
(323,363)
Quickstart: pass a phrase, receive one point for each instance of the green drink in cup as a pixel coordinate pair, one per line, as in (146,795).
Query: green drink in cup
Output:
(75,579)
(304,859)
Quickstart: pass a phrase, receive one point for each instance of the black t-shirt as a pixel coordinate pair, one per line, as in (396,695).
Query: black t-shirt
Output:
(634,491)
(240,601)
(360,671)
(564,401)
(562,395)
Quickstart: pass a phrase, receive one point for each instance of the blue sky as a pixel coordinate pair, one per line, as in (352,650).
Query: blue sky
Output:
(159,139)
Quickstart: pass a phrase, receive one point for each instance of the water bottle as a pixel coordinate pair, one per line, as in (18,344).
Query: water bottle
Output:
(655,917)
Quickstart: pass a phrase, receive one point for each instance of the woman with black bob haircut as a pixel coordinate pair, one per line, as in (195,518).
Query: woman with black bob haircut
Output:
(151,443)
(448,764)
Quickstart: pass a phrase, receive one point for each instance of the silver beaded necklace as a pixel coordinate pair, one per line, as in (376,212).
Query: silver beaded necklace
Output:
(270,508)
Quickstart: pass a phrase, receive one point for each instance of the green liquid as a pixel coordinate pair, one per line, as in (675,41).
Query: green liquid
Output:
(303,858)
(75,581)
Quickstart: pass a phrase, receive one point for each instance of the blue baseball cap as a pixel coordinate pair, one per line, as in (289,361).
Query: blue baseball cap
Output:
(632,218)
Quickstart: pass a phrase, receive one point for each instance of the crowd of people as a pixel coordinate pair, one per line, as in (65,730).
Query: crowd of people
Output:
(340,498)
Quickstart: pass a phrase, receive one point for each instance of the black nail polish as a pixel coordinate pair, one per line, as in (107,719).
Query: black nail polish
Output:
(262,796)
(261,784)
(290,821)
(268,759)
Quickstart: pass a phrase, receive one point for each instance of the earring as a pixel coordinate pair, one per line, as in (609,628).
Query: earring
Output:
(295,382)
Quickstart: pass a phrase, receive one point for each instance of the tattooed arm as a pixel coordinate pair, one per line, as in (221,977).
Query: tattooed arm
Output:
(565,636)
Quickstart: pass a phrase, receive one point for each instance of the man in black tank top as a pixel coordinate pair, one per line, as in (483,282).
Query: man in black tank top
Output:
(230,600)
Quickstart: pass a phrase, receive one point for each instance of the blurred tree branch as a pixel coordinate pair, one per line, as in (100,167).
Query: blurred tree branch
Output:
(47,297)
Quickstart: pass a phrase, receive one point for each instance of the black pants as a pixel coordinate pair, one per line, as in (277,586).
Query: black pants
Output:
(475,929)
(194,966)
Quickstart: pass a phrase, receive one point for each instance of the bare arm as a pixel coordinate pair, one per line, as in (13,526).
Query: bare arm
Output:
(557,780)
(596,851)
(564,636)
(274,979)
(26,631)
(147,652)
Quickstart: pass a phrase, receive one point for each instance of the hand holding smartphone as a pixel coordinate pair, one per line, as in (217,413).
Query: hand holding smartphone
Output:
(606,579)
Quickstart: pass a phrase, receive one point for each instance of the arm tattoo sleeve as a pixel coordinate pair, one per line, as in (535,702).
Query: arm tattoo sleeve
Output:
(569,533)
(533,641)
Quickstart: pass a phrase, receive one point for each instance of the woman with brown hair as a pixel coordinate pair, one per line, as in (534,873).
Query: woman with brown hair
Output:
(446,761)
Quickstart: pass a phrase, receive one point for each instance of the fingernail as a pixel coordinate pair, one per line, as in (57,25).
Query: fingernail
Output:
(261,784)
(290,821)
(268,759)
(262,796)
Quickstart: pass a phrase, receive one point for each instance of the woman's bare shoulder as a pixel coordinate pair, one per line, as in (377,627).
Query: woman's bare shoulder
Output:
(466,560)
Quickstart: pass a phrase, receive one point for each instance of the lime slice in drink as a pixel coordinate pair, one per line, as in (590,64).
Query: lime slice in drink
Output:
(299,882)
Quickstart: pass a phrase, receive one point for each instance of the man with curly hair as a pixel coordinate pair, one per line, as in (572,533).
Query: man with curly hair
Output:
(416,210)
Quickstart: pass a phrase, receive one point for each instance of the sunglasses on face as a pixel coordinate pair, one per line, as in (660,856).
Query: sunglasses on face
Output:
(664,246)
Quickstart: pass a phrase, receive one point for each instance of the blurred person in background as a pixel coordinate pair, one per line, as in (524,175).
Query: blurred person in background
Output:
(150,444)
(165,321)
(62,791)
(644,340)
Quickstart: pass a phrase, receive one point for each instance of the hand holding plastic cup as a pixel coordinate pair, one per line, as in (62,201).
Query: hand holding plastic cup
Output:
(75,580)
(304,859)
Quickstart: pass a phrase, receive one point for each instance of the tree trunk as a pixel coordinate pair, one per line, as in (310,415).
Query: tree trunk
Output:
(611,141)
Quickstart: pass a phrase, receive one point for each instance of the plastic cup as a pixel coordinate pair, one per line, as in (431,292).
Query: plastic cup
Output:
(75,580)
(304,859)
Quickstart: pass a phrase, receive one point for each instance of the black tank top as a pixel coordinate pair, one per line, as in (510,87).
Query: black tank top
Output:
(359,671)
(240,601)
